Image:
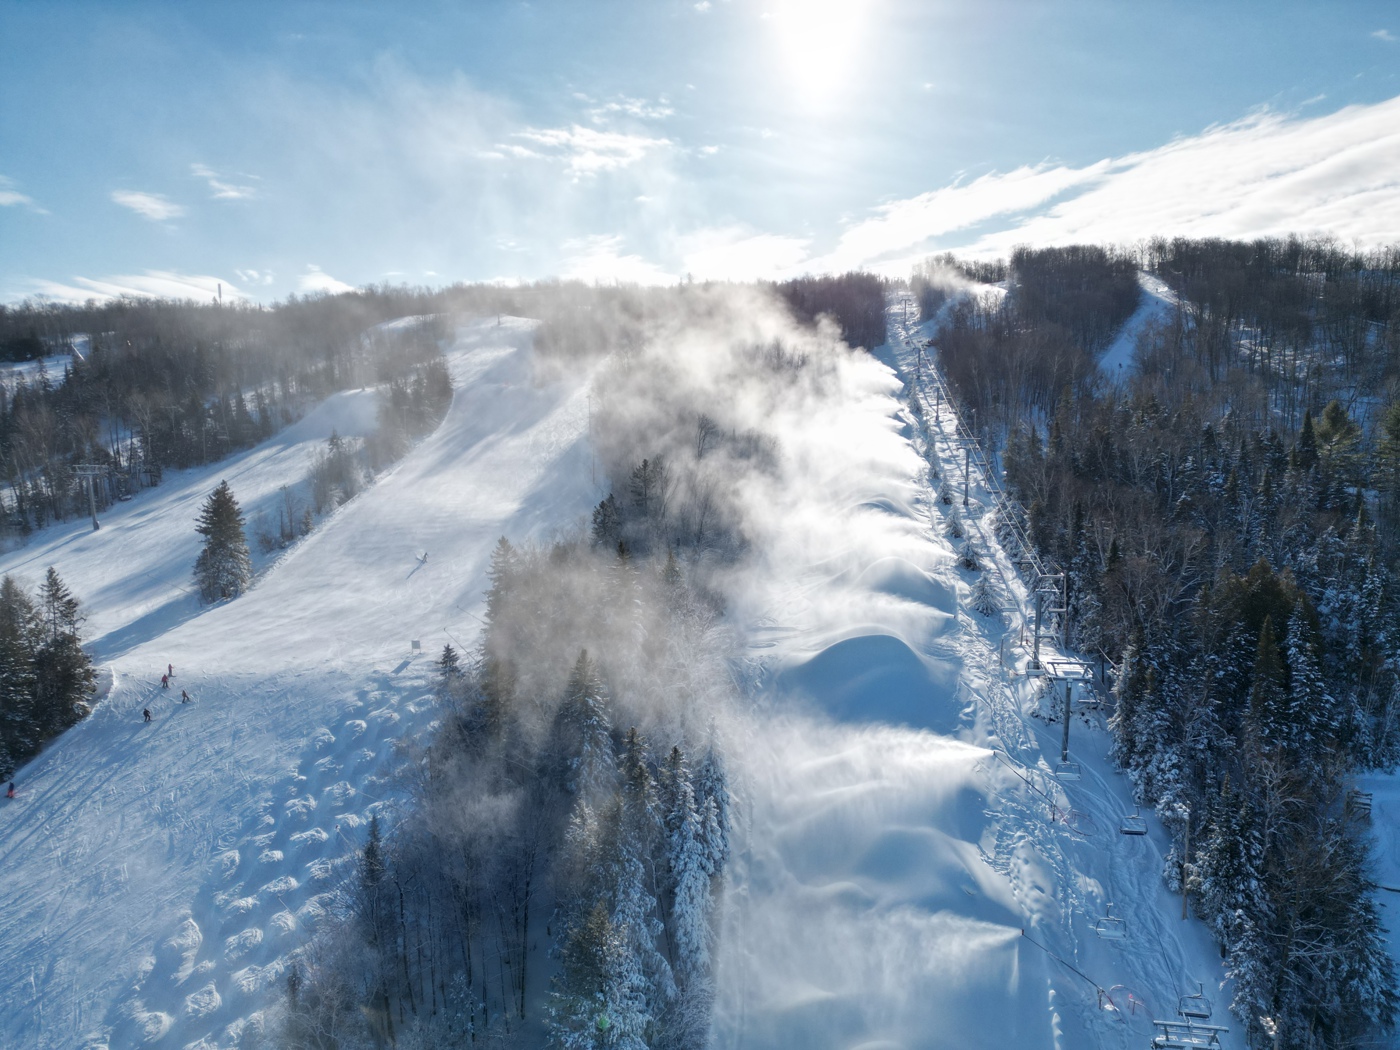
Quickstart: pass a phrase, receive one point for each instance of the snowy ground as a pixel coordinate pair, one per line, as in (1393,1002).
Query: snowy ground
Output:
(903,825)
(157,874)
(1157,305)
(889,859)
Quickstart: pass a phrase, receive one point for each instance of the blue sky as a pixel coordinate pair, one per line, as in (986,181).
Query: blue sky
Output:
(290,147)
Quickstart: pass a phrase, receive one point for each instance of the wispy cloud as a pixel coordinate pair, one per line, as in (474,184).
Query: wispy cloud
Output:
(163,284)
(1386,35)
(735,253)
(317,280)
(222,189)
(255,277)
(1266,175)
(637,108)
(600,259)
(12,198)
(153,206)
(587,151)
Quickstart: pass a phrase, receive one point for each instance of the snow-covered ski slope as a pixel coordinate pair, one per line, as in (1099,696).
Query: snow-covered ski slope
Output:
(889,858)
(1156,306)
(155,875)
(901,823)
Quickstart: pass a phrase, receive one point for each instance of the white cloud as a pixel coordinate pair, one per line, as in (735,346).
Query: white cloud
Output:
(153,206)
(639,108)
(263,277)
(12,198)
(163,284)
(1266,175)
(599,259)
(317,280)
(588,151)
(1386,35)
(223,190)
(733,253)
(703,6)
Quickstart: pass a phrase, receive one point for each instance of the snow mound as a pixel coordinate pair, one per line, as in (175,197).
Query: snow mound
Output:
(877,677)
(903,579)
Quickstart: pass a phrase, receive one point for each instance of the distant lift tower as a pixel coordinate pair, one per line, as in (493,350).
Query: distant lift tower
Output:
(91,471)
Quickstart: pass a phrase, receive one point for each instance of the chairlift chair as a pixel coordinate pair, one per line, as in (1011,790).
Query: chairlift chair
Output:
(1194,1007)
(1067,770)
(1133,824)
(1111,927)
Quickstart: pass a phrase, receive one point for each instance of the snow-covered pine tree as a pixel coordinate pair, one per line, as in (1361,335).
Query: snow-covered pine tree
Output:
(586,731)
(223,568)
(945,493)
(641,844)
(953,525)
(982,600)
(712,802)
(967,556)
(1313,720)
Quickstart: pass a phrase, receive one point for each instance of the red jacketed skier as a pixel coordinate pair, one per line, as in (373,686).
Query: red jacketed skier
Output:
(165,681)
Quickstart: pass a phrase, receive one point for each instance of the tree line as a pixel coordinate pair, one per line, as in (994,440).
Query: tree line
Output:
(1240,571)
(554,879)
(46,680)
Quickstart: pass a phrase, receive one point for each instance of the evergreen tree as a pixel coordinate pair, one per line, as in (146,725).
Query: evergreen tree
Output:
(586,731)
(64,672)
(967,556)
(224,568)
(607,523)
(21,634)
(982,600)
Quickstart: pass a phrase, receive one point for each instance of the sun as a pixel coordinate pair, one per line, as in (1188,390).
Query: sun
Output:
(819,43)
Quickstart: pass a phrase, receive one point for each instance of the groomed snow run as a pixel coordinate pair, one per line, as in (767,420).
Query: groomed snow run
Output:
(898,827)
(901,822)
(1156,306)
(156,875)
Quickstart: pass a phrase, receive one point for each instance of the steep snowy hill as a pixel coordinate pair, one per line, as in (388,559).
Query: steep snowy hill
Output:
(899,824)
(904,825)
(1156,307)
(160,873)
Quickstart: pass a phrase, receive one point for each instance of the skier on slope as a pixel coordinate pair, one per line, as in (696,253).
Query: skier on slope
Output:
(165,681)
(11,792)
(170,670)
(184,697)
(146,712)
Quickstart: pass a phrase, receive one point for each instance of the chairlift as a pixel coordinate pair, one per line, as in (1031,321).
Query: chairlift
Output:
(1133,824)
(1067,770)
(1111,927)
(1195,1007)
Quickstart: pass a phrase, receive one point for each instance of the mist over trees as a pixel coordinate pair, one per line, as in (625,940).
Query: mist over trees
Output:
(1227,516)
(556,877)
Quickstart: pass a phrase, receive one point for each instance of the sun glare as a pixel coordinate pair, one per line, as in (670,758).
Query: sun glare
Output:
(819,41)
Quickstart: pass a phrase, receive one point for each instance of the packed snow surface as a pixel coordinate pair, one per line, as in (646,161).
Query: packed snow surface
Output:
(158,873)
(898,826)
(1156,306)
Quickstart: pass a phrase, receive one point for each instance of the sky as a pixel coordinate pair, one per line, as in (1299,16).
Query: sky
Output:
(290,148)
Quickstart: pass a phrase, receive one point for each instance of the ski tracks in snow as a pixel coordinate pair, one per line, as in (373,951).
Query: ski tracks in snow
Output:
(1058,844)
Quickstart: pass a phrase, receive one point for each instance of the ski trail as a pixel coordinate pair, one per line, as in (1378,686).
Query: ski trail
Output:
(1163,957)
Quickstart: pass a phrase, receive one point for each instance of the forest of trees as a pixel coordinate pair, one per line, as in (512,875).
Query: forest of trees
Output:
(556,876)
(46,680)
(1229,517)
(855,300)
